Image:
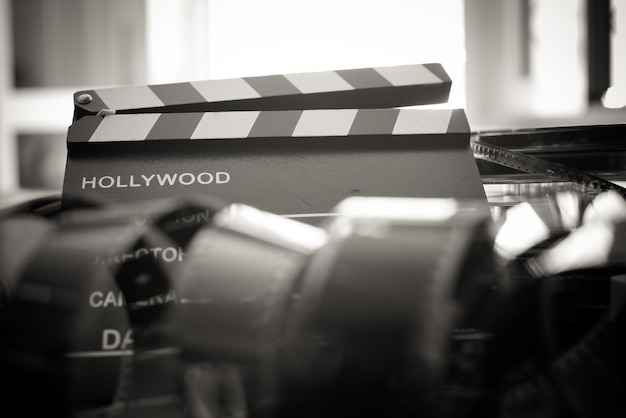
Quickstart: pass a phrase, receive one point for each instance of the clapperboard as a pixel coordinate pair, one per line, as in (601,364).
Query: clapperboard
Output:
(294,144)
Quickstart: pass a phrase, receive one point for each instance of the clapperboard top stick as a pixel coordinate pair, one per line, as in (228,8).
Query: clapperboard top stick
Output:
(377,87)
(318,104)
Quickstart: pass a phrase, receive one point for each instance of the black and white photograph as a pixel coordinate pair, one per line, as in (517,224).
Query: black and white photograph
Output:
(313,209)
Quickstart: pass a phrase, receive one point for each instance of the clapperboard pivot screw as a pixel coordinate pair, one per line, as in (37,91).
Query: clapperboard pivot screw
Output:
(84,98)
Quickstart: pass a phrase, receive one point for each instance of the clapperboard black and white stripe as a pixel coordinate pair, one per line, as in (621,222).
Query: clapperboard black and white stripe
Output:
(263,124)
(362,88)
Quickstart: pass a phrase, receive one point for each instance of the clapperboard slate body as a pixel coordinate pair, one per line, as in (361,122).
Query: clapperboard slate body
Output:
(292,144)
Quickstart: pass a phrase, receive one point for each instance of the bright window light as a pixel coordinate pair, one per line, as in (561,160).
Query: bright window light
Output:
(249,37)
(198,39)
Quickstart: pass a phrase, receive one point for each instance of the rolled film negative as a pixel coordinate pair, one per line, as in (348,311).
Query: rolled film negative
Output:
(235,291)
(248,310)
(597,149)
(558,139)
(538,220)
(48,361)
(334,300)
(533,165)
(89,298)
(323,328)
(117,272)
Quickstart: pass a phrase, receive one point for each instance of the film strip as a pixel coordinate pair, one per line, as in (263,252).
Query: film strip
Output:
(280,312)
(50,302)
(533,165)
(230,305)
(558,138)
(96,292)
(376,87)
(89,297)
(329,123)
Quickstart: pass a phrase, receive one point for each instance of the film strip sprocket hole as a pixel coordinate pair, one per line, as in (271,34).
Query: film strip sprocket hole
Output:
(533,165)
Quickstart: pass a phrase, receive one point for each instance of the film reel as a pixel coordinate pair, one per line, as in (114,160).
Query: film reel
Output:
(259,311)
